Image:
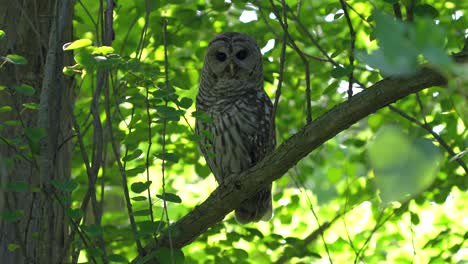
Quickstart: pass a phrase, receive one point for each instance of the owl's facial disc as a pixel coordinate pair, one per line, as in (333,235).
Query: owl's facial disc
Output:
(232,59)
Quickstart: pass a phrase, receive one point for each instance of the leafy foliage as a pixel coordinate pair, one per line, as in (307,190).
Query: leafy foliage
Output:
(386,185)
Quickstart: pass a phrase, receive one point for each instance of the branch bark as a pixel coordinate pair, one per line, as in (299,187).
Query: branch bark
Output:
(229,195)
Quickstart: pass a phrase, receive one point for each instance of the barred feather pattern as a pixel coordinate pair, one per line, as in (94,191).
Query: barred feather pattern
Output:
(240,129)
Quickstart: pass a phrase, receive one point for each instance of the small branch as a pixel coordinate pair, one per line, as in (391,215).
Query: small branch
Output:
(397,11)
(410,11)
(421,107)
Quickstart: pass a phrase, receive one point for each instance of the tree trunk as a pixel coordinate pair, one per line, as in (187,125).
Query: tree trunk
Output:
(36,30)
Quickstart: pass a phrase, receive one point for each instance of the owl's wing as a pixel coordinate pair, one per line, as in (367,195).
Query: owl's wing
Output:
(266,136)
(206,148)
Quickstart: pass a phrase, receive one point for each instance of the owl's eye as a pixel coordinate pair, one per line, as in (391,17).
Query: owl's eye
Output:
(221,56)
(242,54)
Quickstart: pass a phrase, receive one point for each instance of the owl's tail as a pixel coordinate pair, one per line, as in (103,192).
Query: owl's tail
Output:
(256,208)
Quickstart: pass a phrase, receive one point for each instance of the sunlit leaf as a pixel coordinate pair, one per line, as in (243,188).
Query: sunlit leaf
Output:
(16,59)
(77,44)
(5,108)
(32,106)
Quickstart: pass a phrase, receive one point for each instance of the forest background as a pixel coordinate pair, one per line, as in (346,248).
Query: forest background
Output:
(99,161)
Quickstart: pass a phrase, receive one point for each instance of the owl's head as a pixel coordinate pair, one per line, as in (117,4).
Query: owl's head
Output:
(234,55)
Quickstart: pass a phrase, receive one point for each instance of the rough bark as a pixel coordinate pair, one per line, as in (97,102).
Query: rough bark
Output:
(35,30)
(228,196)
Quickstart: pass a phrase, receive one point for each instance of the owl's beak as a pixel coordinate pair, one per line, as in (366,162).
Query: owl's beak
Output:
(231,68)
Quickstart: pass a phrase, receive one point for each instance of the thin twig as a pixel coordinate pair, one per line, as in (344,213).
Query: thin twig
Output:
(303,58)
(301,187)
(421,107)
(123,174)
(410,11)
(352,34)
(282,60)
(148,151)
(359,15)
(163,135)
(144,32)
(313,40)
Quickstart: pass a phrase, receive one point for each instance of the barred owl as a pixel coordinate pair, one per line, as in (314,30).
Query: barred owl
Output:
(240,130)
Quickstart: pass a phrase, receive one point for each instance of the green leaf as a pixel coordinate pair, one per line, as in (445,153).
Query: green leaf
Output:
(133,155)
(12,247)
(74,213)
(25,89)
(117,258)
(65,186)
(170,157)
(94,230)
(11,216)
(255,232)
(169,197)
(34,136)
(16,59)
(426,10)
(169,112)
(148,227)
(185,102)
(391,1)
(402,166)
(164,256)
(103,50)
(338,15)
(77,44)
(415,219)
(145,212)
(139,187)
(12,123)
(2,34)
(339,72)
(32,106)
(397,54)
(139,198)
(5,108)
(86,59)
(203,117)
(202,170)
(135,171)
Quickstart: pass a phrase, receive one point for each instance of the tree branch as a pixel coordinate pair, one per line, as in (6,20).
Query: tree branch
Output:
(229,195)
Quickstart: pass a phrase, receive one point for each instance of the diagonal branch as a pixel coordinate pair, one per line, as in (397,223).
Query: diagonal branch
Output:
(229,195)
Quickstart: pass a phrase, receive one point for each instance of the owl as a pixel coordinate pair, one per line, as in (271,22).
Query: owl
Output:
(240,129)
